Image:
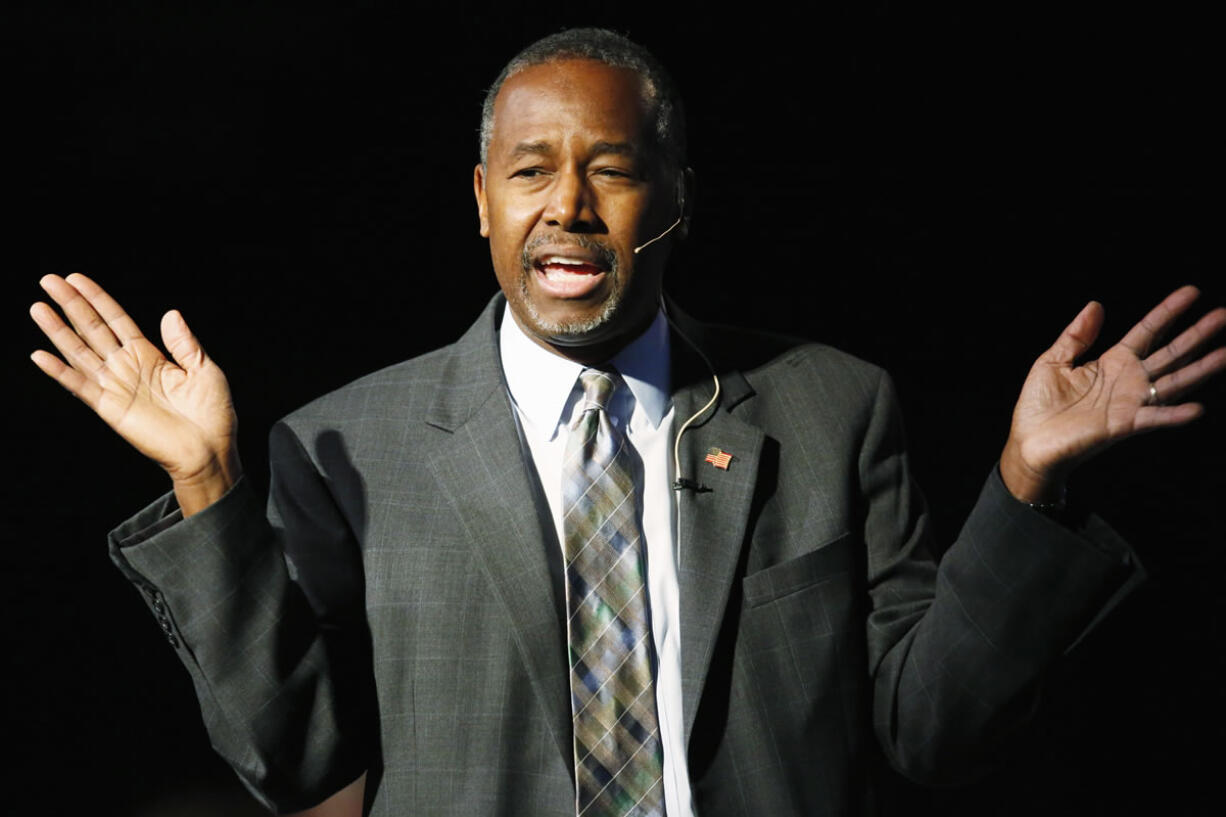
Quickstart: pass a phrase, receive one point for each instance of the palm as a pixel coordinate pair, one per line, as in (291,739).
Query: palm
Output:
(161,408)
(1080,409)
(178,413)
(1067,412)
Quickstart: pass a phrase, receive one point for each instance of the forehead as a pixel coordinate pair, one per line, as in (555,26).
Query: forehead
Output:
(564,99)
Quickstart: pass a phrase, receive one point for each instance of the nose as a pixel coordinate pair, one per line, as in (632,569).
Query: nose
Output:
(571,204)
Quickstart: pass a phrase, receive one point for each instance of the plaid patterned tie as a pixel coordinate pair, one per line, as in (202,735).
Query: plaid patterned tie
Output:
(618,756)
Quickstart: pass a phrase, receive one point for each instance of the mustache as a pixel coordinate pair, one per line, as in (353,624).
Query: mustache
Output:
(605,254)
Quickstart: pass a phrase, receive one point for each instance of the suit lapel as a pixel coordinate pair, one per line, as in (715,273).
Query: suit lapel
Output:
(712,519)
(481,468)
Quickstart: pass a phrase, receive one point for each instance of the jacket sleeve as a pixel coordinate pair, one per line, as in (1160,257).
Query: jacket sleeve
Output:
(957,649)
(281,668)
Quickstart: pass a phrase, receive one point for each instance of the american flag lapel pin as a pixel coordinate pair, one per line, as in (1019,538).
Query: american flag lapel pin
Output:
(718,457)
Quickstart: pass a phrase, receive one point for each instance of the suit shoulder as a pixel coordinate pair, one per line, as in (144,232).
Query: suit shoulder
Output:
(819,403)
(402,389)
(767,359)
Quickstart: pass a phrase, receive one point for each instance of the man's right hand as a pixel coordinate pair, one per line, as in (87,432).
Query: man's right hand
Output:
(181,416)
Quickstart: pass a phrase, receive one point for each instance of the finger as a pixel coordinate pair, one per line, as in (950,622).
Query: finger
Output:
(107,307)
(76,383)
(74,350)
(89,325)
(1142,336)
(1150,418)
(1188,342)
(1181,381)
(1078,336)
(181,343)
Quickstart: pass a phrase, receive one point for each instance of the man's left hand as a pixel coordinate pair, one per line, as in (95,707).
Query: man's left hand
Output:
(1066,413)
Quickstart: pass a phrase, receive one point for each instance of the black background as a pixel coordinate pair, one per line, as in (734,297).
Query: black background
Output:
(935,187)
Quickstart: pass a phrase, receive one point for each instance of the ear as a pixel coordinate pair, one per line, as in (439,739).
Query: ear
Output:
(685,200)
(482,203)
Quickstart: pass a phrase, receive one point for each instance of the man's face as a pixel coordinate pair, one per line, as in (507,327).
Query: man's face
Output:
(571,185)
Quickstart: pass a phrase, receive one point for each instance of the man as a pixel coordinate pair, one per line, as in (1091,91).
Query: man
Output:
(416,622)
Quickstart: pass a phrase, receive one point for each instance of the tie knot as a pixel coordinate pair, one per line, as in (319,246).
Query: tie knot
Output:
(598,388)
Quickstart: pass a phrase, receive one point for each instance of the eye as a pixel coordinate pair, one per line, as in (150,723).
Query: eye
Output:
(528,173)
(614,173)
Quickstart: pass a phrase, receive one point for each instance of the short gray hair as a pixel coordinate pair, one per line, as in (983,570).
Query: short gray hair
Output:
(612,49)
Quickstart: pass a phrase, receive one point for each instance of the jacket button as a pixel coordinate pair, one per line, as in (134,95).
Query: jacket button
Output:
(174,642)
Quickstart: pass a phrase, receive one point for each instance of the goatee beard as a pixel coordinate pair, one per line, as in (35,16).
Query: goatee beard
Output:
(578,329)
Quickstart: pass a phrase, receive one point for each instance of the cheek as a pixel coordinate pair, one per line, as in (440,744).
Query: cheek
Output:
(509,228)
(512,213)
(505,256)
(635,220)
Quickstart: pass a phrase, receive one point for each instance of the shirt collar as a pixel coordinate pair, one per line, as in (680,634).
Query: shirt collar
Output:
(541,382)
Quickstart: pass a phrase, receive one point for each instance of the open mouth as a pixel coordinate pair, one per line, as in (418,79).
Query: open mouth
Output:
(571,271)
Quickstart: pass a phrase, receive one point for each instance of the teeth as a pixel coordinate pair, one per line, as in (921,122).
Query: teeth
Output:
(552,273)
(559,259)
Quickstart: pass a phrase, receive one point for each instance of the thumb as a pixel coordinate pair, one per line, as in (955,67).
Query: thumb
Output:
(180,341)
(1078,336)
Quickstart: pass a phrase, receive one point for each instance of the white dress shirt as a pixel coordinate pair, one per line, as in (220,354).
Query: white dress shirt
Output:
(545,391)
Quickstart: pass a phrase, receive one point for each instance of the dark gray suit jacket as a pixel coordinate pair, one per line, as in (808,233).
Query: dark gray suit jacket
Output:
(400,608)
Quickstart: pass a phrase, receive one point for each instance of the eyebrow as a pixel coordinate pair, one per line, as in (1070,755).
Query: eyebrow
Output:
(543,148)
(531,149)
(616,148)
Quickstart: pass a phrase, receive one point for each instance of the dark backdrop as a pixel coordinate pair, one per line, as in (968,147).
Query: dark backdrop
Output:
(936,190)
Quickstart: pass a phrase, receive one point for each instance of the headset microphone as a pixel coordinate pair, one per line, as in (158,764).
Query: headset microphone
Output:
(680,216)
(657,238)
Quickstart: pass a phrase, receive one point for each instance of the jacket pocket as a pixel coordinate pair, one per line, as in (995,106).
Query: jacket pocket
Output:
(794,575)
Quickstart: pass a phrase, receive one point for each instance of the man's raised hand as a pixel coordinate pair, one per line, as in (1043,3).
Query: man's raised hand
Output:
(178,413)
(1068,412)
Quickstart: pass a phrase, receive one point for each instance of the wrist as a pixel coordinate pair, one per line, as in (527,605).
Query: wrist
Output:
(1038,487)
(201,488)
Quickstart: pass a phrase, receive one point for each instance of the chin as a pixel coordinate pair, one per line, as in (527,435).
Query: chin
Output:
(578,330)
(587,326)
